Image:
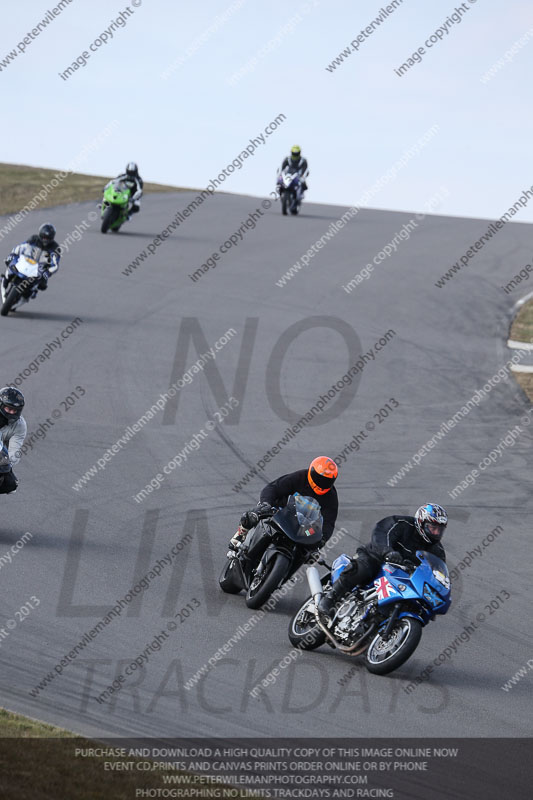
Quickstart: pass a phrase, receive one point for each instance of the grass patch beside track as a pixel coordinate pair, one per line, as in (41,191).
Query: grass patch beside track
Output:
(37,762)
(19,184)
(522,331)
(522,327)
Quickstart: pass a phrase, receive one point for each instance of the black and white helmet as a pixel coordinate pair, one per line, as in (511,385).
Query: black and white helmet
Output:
(47,233)
(11,403)
(430,522)
(132,170)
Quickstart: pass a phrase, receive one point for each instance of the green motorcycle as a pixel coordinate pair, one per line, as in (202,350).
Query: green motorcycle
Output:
(115,205)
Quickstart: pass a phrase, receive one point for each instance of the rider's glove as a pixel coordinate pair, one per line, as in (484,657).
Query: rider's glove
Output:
(249,520)
(394,556)
(264,510)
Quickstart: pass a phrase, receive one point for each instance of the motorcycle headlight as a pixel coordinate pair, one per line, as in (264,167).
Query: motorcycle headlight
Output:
(441,578)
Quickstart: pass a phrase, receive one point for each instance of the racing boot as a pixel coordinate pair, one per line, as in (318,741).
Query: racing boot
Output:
(329,600)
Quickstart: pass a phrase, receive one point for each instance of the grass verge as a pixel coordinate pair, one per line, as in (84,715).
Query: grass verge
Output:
(522,331)
(19,184)
(39,762)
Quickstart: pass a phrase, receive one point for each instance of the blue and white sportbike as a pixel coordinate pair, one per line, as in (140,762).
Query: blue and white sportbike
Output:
(22,276)
(290,189)
(383,620)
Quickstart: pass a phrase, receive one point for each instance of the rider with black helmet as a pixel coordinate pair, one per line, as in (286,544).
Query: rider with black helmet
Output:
(12,434)
(395,539)
(45,239)
(132,178)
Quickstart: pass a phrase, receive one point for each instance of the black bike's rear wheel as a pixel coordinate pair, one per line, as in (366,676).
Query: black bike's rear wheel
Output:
(229,580)
(111,214)
(385,655)
(12,297)
(304,632)
(261,587)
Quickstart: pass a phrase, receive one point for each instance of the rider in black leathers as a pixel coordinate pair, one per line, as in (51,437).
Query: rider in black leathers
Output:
(316,481)
(395,539)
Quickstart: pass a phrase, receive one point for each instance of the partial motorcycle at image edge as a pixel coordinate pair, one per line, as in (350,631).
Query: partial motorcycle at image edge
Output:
(382,621)
(273,550)
(116,205)
(21,278)
(290,188)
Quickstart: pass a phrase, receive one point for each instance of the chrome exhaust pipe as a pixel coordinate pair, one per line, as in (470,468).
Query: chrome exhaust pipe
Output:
(315,584)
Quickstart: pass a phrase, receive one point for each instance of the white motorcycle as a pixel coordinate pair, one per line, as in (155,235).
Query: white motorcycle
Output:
(23,273)
(290,188)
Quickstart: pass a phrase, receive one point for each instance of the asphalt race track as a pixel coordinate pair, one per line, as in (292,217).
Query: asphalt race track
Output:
(140,333)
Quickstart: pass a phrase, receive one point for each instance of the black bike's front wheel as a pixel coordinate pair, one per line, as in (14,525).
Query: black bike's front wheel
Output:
(230,581)
(304,631)
(385,655)
(284,203)
(262,585)
(12,297)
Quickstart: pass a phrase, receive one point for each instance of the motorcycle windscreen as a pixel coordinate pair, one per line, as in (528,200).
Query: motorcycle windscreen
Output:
(31,252)
(301,520)
(437,567)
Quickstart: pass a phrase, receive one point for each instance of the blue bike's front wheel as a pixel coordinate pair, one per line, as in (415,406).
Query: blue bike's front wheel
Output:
(385,655)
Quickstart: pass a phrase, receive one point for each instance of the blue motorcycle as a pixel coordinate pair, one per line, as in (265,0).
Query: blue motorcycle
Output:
(383,620)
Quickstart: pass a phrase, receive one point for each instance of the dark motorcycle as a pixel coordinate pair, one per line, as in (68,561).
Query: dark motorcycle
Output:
(273,550)
(383,620)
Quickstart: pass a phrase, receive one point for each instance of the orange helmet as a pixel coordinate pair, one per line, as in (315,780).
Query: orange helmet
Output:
(322,474)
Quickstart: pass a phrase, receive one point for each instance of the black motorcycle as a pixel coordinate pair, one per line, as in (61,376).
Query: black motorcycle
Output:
(273,550)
